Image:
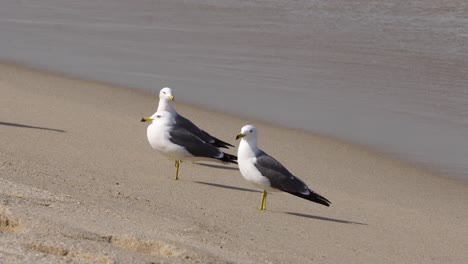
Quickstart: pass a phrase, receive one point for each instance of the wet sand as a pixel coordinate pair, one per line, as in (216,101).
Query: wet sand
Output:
(79,183)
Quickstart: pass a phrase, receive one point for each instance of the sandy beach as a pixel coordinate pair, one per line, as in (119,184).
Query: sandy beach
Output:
(80,184)
(389,75)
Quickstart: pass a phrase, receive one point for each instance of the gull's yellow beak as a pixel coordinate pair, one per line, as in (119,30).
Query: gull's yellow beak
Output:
(171,97)
(146,119)
(240,136)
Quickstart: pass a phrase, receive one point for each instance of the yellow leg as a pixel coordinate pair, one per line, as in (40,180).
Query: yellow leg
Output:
(264,197)
(176,164)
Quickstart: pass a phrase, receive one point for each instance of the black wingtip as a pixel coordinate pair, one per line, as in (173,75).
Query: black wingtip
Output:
(216,141)
(221,144)
(229,158)
(314,197)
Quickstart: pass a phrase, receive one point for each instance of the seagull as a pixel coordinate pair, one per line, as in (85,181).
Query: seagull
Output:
(175,141)
(266,173)
(165,104)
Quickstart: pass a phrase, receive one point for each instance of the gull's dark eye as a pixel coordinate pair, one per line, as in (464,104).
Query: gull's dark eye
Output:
(164,92)
(158,116)
(250,130)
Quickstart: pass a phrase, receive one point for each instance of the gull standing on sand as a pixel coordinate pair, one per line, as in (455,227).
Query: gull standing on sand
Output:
(268,174)
(165,104)
(175,141)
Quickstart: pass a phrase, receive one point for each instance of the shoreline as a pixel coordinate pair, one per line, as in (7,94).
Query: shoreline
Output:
(356,73)
(436,172)
(80,183)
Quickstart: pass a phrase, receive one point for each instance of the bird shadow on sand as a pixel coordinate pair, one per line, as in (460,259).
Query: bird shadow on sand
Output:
(227,187)
(326,218)
(33,127)
(216,166)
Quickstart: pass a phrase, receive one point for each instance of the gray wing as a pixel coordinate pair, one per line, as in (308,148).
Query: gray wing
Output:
(280,178)
(192,128)
(193,144)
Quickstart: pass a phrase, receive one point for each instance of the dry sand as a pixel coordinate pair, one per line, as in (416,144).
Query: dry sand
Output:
(80,184)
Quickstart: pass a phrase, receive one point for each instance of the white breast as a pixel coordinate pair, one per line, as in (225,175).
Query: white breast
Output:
(246,159)
(158,137)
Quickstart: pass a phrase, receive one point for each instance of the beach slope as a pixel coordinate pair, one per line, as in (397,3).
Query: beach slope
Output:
(79,183)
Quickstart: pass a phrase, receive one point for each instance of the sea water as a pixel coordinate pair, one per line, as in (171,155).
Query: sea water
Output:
(390,75)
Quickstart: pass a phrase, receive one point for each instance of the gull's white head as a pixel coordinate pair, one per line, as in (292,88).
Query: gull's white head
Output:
(160,117)
(163,117)
(248,133)
(166,94)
